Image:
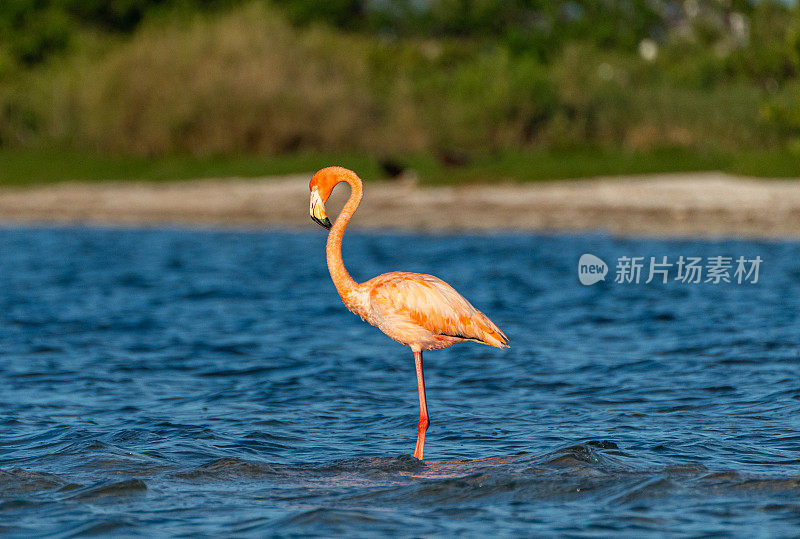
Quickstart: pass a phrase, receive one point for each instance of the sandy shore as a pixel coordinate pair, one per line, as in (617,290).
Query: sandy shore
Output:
(708,204)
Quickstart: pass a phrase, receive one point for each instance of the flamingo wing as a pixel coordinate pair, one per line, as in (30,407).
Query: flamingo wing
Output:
(425,301)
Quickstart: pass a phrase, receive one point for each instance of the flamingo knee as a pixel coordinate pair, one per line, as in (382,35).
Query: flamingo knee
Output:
(423,424)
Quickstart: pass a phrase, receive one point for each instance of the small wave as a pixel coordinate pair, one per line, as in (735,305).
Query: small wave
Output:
(20,481)
(333,519)
(102,527)
(110,489)
(401,463)
(228,468)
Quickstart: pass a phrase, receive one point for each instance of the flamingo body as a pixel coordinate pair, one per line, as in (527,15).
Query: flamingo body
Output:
(424,313)
(417,310)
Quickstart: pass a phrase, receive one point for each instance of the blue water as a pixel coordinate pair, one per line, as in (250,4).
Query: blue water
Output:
(189,382)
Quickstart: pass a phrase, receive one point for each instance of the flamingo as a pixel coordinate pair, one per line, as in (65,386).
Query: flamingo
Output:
(417,310)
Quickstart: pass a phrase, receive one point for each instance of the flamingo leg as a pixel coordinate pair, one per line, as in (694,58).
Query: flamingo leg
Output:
(423,408)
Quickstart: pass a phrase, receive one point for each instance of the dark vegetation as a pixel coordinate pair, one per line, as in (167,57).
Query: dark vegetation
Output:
(469,85)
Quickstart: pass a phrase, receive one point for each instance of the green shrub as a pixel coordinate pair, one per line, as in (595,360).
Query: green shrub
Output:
(247,80)
(488,102)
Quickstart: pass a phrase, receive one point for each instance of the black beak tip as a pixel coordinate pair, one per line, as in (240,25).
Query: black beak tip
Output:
(324,223)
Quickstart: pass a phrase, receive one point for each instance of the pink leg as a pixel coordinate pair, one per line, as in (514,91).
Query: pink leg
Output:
(423,408)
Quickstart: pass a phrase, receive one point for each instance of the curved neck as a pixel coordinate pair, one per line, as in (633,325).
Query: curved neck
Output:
(333,249)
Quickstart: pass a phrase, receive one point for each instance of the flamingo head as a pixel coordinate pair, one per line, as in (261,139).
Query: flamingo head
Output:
(322,183)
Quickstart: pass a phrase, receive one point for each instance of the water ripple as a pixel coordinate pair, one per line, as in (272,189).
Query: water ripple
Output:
(169,382)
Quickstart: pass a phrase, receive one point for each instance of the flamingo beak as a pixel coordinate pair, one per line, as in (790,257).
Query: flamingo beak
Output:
(317,210)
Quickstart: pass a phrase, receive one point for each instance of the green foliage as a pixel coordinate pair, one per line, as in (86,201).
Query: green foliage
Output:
(768,57)
(783,111)
(33,30)
(488,102)
(465,78)
(530,27)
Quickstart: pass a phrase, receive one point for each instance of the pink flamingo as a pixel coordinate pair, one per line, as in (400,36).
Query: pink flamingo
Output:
(417,310)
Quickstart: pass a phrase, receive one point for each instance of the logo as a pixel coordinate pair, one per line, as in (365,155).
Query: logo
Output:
(714,270)
(591,269)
